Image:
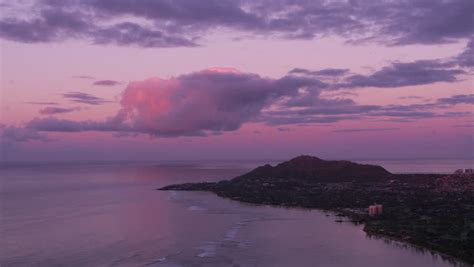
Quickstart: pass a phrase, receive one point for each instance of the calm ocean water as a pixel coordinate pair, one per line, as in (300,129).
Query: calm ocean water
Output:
(109,214)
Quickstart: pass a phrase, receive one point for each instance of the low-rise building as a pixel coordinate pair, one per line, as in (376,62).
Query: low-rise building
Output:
(375,210)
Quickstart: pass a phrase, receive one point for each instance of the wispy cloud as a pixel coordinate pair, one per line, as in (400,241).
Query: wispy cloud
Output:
(21,134)
(411,97)
(106,83)
(85,98)
(42,103)
(83,77)
(283,129)
(457,99)
(464,125)
(405,74)
(56,110)
(319,73)
(351,130)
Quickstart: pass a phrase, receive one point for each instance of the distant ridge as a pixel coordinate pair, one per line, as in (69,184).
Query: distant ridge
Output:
(313,169)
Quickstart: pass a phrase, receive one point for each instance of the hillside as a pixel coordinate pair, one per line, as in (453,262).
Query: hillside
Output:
(313,169)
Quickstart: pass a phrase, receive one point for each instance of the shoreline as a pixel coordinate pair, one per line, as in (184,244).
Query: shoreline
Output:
(357,219)
(330,202)
(432,211)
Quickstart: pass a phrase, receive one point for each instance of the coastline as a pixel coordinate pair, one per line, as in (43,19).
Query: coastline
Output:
(433,211)
(357,218)
(378,235)
(336,198)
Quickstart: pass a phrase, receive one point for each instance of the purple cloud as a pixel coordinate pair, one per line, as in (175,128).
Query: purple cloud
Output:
(411,97)
(42,103)
(50,25)
(419,22)
(323,72)
(83,77)
(85,98)
(405,74)
(334,110)
(52,124)
(181,23)
(466,58)
(201,103)
(351,130)
(214,101)
(21,134)
(397,74)
(56,110)
(464,125)
(129,33)
(457,99)
(106,83)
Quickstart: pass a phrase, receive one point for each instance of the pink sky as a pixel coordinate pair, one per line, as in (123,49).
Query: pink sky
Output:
(168,101)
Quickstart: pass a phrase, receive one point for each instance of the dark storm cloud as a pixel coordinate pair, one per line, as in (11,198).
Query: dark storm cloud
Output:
(180,23)
(85,98)
(106,83)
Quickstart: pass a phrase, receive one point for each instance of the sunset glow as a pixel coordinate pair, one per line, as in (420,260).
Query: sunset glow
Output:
(242,83)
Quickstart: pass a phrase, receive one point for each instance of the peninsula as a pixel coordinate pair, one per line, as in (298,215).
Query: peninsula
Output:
(432,211)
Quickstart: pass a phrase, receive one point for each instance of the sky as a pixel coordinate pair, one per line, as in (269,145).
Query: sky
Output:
(193,80)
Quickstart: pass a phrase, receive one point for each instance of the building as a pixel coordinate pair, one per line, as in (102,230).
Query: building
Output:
(375,210)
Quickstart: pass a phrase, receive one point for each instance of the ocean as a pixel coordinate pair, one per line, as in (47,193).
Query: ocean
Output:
(110,214)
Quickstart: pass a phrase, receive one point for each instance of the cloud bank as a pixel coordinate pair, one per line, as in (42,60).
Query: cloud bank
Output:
(182,23)
(219,100)
(21,134)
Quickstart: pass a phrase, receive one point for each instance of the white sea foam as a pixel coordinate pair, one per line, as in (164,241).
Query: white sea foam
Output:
(207,250)
(196,208)
(173,195)
(232,233)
